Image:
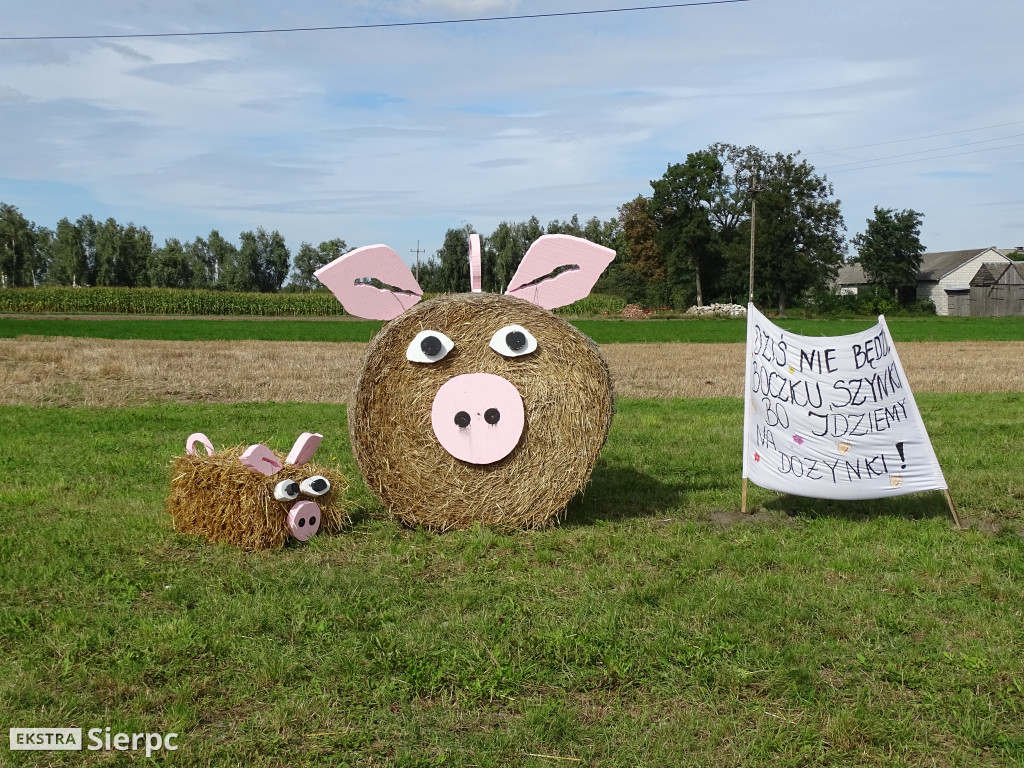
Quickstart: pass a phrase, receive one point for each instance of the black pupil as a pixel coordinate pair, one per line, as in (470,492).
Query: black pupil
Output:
(516,340)
(462,419)
(292,489)
(492,415)
(319,485)
(430,345)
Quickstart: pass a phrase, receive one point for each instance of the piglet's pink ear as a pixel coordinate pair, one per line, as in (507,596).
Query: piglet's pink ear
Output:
(304,448)
(348,278)
(558,270)
(259,458)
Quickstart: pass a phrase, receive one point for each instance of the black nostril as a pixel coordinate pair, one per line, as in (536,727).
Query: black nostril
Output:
(492,415)
(430,345)
(462,419)
(312,521)
(516,340)
(302,522)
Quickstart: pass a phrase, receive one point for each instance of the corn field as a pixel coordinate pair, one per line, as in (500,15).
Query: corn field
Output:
(174,301)
(167,301)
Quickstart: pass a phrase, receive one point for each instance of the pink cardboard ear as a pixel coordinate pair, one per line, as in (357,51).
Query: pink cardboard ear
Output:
(475,271)
(304,448)
(347,275)
(260,459)
(203,440)
(535,281)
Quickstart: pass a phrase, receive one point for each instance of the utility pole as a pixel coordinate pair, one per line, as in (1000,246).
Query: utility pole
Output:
(754,189)
(417,252)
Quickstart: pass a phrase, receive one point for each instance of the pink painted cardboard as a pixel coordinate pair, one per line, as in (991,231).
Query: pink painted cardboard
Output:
(260,459)
(304,448)
(362,299)
(302,512)
(474,395)
(203,440)
(547,254)
(475,270)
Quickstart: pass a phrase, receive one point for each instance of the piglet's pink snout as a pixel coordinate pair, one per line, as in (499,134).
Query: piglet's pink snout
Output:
(478,417)
(303,519)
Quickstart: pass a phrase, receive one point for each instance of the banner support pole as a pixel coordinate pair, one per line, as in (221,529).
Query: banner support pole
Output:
(952,508)
(743,499)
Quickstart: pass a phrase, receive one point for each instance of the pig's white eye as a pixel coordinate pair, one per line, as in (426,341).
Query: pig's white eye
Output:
(286,490)
(429,347)
(317,485)
(513,341)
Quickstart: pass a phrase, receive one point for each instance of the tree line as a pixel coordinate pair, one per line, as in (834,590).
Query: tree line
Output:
(687,242)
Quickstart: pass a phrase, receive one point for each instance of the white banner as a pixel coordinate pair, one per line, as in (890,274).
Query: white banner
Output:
(832,417)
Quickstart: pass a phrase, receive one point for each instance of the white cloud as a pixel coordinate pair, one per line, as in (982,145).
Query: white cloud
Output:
(362,133)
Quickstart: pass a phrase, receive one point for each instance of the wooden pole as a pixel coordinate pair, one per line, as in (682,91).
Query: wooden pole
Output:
(753,216)
(417,252)
(743,500)
(952,509)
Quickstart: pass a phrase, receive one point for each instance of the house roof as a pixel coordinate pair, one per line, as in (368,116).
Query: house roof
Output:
(992,273)
(934,266)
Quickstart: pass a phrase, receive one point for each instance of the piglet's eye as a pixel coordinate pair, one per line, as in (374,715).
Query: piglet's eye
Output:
(513,341)
(429,347)
(317,485)
(286,490)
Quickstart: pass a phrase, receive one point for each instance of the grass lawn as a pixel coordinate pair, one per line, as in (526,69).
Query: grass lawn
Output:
(693,330)
(650,629)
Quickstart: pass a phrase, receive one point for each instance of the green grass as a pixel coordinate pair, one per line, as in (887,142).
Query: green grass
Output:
(693,330)
(638,633)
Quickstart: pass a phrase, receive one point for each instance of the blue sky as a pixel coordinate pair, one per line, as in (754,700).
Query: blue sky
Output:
(394,135)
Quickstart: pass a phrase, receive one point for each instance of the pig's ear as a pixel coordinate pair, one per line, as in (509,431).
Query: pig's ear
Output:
(475,272)
(348,278)
(558,270)
(304,448)
(203,440)
(259,458)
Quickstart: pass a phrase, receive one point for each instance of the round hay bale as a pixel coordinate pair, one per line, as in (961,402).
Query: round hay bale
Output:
(218,498)
(566,391)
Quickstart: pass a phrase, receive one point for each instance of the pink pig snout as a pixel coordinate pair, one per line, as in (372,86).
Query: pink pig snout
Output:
(303,519)
(478,417)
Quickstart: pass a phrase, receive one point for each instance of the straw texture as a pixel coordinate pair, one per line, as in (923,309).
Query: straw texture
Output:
(218,498)
(567,395)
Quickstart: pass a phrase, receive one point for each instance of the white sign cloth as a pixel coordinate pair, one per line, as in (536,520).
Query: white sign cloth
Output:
(832,417)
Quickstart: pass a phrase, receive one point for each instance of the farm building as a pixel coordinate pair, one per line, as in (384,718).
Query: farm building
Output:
(944,277)
(997,290)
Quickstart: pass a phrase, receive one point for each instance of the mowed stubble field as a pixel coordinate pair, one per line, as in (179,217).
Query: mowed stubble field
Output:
(73,372)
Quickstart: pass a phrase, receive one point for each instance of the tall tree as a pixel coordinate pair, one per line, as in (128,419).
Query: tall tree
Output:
(260,264)
(681,209)
(454,259)
(171,266)
(890,250)
(106,253)
(87,230)
(17,248)
(224,255)
(69,264)
(799,230)
(204,263)
(641,267)
(134,252)
(309,259)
